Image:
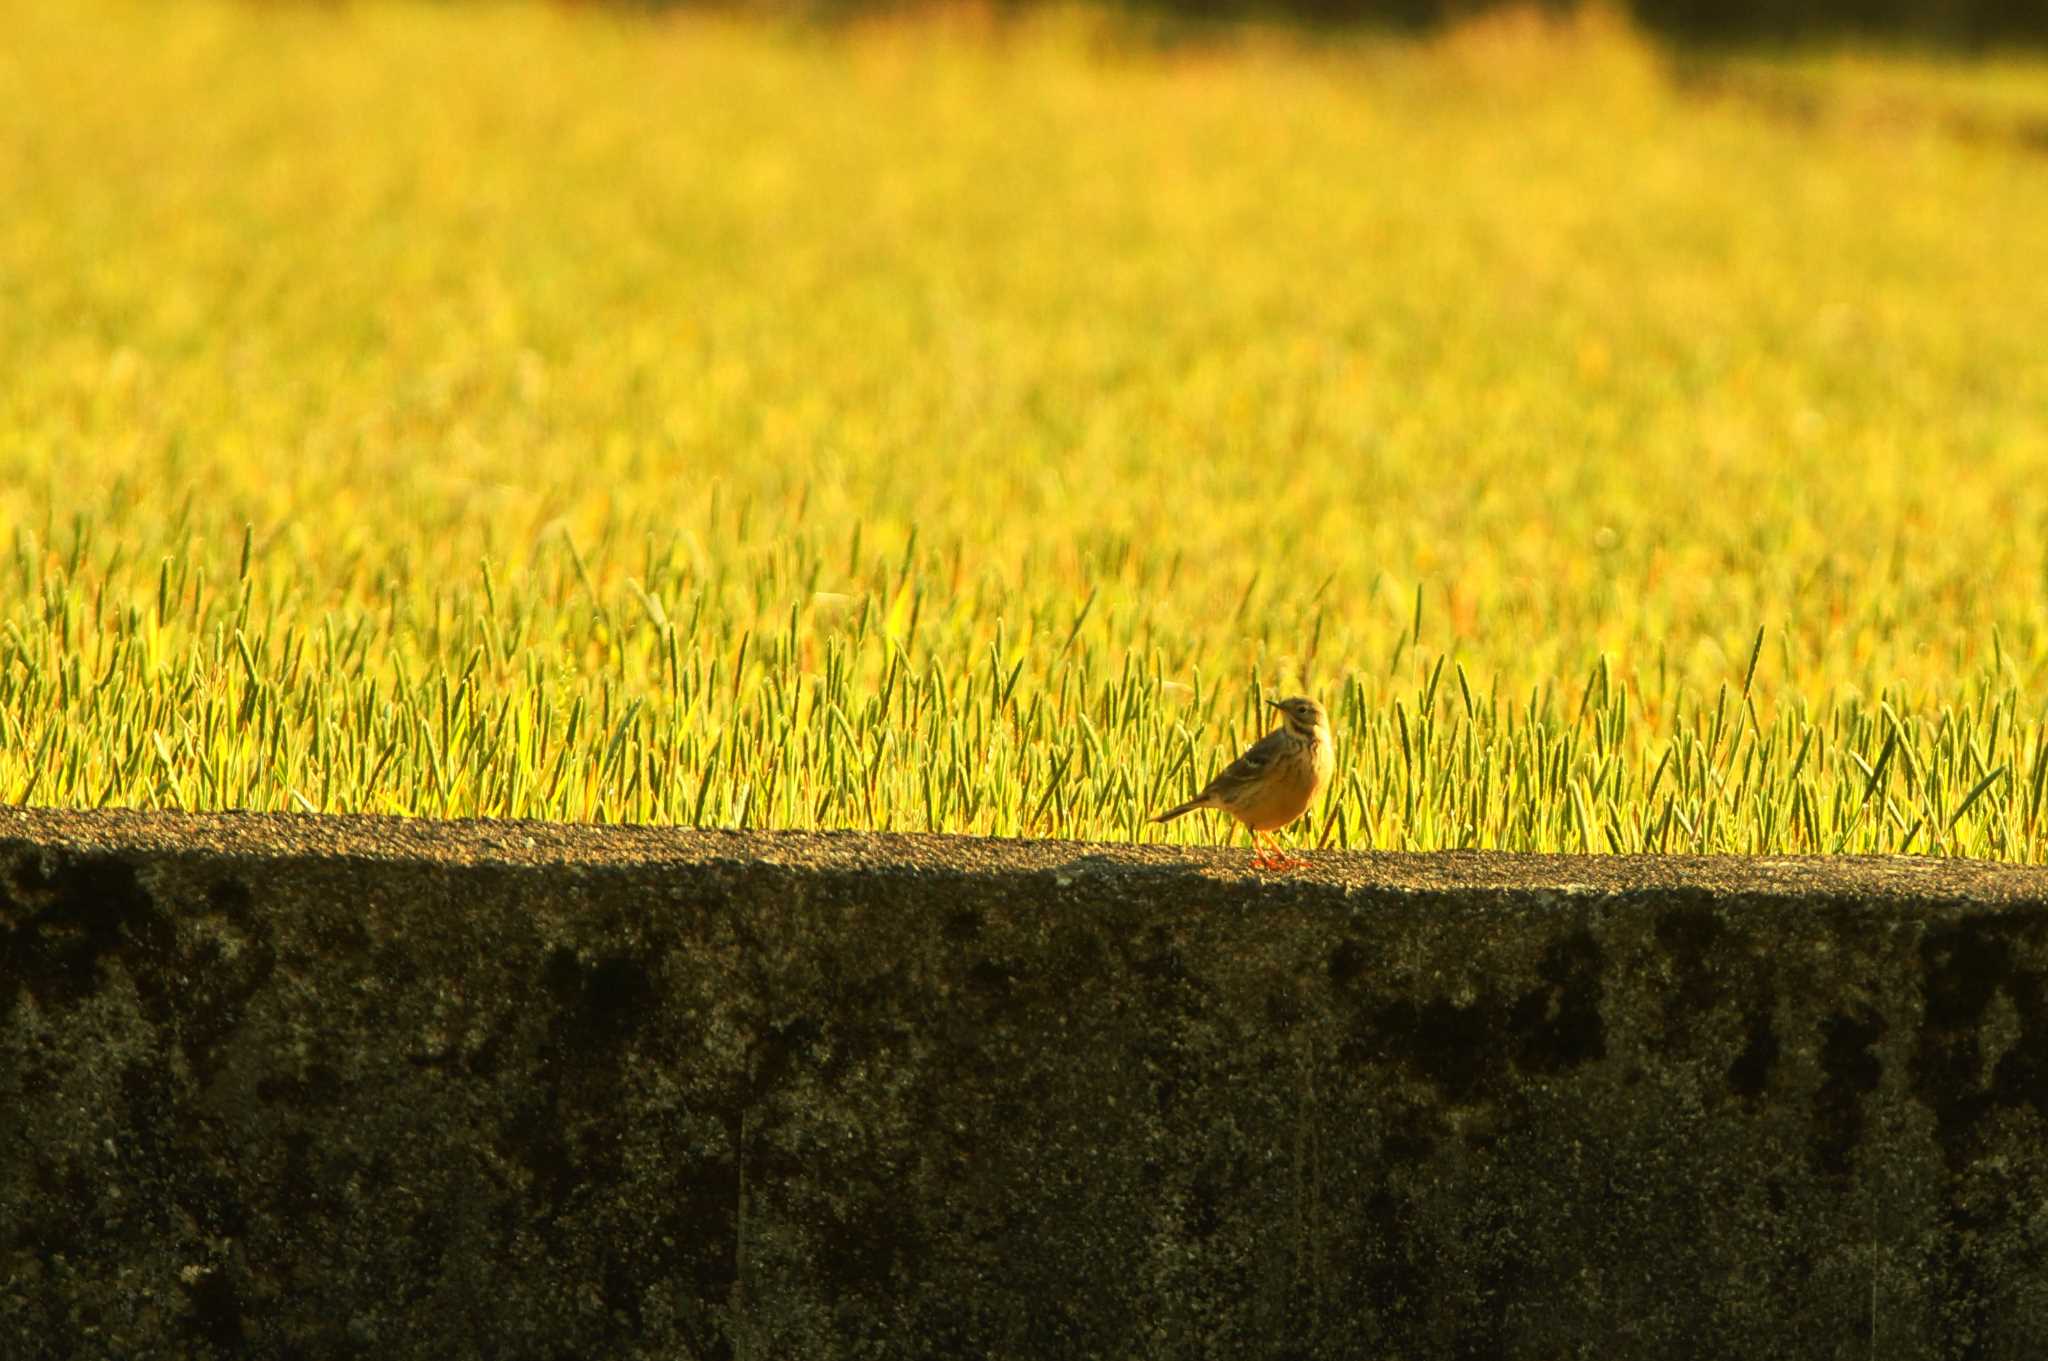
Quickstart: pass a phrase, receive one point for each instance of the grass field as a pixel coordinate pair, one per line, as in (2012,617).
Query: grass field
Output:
(523,410)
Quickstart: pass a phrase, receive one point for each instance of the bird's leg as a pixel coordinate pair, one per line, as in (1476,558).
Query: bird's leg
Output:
(1269,857)
(1280,859)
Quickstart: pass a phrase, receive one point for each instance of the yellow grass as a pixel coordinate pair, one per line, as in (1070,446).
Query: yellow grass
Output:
(534,410)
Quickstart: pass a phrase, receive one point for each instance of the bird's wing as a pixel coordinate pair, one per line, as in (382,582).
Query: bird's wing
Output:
(1247,770)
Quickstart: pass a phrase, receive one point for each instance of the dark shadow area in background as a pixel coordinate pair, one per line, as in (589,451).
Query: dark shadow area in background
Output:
(1950,23)
(1962,23)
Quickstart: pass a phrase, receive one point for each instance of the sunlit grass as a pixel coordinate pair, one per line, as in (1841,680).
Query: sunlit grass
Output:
(534,411)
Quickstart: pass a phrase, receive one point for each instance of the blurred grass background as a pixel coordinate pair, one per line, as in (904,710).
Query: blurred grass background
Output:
(961,420)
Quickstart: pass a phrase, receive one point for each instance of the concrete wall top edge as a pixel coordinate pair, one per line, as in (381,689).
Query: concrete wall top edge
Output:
(270,836)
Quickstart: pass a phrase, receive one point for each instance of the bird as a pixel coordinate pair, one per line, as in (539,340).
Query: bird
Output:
(1274,782)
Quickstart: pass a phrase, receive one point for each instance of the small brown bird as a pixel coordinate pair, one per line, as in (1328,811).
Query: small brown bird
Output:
(1273,783)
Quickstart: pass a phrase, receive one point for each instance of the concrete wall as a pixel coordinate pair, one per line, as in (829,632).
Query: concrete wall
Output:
(282,1087)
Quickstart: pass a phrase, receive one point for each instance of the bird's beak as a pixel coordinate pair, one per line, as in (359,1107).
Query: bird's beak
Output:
(1273,704)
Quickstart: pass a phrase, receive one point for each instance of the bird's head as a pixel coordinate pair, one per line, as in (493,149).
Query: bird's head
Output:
(1303,714)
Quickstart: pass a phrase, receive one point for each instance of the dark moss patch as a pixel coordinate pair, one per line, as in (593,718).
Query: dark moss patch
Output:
(1557,1025)
(1692,938)
(990,978)
(864,1249)
(216,1317)
(1749,1076)
(535,1138)
(319,1084)
(1962,1073)
(1459,1047)
(1469,1049)
(600,1006)
(1347,964)
(1850,1071)
(57,926)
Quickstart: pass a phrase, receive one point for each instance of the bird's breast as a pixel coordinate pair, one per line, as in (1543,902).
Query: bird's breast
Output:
(1287,791)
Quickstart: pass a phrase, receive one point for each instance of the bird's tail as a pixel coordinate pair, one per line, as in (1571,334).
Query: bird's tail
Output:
(1170,814)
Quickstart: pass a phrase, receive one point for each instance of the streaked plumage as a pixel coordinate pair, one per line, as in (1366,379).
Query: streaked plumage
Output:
(1274,782)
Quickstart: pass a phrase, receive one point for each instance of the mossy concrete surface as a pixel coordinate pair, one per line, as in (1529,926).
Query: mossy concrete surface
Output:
(276,1086)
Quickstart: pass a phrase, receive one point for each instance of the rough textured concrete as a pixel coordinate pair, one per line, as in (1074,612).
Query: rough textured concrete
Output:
(280,1087)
